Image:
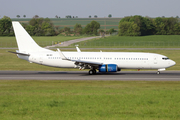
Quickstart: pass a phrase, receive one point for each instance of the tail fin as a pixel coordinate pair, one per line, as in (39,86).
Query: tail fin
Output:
(25,42)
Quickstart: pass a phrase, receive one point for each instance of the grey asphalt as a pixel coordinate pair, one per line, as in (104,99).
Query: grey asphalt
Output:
(83,75)
(67,43)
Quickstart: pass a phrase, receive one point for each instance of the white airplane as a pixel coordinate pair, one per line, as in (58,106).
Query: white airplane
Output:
(102,61)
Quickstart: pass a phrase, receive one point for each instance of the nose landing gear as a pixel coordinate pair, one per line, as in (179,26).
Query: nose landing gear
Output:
(162,69)
(158,72)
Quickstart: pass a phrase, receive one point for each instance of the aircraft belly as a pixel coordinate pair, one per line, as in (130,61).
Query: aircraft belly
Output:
(59,63)
(134,65)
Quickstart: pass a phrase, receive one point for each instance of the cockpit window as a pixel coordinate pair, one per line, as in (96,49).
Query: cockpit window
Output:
(165,58)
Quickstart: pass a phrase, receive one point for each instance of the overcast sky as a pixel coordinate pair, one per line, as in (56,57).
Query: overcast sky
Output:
(84,8)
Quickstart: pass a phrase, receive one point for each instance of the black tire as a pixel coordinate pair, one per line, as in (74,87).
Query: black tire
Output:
(91,72)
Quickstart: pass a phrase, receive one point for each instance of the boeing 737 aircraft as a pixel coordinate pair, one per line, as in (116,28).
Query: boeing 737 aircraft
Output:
(102,61)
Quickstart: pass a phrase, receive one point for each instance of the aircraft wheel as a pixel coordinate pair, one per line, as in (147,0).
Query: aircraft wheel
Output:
(91,72)
(158,72)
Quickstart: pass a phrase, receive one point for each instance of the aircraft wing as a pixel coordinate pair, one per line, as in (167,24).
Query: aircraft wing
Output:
(86,62)
(79,62)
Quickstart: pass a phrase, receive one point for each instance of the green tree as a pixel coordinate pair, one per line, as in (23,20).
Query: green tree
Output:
(109,15)
(129,29)
(165,26)
(78,29)
(112,30)
(148,26)
(36,16)
(95,16)
(30,29)
(145,25)
(5,25)
(92,28)
(177,29)
(18,16)
(68,16)
(41,27)
(67,29)
(24,16)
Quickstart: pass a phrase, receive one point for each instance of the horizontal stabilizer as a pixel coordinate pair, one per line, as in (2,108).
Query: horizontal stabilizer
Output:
(19,53)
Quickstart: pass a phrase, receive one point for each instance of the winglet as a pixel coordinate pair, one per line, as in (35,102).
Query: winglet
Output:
(62,55)
(78,50)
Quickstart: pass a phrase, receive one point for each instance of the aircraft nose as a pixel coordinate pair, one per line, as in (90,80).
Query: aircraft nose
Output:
(173,62)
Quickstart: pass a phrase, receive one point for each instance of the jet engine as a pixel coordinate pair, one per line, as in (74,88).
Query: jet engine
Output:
(108,68)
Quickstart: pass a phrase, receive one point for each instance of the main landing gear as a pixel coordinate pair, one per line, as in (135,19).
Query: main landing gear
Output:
(92,72)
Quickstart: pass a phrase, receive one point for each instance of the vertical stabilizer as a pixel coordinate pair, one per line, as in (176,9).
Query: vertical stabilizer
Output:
(25,42)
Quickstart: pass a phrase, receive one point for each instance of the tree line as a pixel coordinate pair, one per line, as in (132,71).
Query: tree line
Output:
(141,26)
(5,26)
(44,27)
(128,26)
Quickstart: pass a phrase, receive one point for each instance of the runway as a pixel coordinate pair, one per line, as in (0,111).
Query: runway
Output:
(83,75)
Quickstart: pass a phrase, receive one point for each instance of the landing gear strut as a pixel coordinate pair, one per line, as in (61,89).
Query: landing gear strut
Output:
(92,72)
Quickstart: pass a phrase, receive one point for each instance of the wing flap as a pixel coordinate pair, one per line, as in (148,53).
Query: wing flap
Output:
(87,62)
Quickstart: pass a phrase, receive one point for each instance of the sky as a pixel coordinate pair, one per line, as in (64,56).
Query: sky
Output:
(84,8)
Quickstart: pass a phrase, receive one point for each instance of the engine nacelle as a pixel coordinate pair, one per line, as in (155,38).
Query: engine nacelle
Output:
(108,68)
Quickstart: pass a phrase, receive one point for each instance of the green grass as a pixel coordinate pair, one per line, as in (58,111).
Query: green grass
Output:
(9,61)
(79,100)
(153,41)
(42,41)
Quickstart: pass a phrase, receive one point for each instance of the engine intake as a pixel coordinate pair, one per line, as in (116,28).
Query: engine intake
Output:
(108,68)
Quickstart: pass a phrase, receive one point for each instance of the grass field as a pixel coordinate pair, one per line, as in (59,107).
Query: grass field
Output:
(41,40)
(9,61)
(153,41)
(87,100)
(106,23)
